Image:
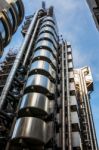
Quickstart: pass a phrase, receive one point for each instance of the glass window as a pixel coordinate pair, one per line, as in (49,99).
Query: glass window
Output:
(2,29)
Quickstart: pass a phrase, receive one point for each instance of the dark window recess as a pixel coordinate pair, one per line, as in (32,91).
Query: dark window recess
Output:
(65,94)
(17,6)
(73,108)
(64,69)
(65,81)
(2,29)
(70,69)
(10,16)
(68,46)
(68,52)
(76,148)
(71,79)
(66,128)
(58,70)
(75,127)
(85,136)
(64,55)
(83,127)
(69,60)
(66,111)
(72,93)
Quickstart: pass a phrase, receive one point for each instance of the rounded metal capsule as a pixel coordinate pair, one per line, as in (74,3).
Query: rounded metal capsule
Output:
(35,104)
(46,44)
(50,30)
(9,19)
(41,84)
(31,130)
(43,54)
(49,37)
(44,68)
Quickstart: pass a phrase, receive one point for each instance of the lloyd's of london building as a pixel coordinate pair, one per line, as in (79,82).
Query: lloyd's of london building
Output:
(45,102)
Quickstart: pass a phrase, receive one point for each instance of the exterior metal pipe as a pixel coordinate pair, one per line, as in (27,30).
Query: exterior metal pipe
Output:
(28,50)
(31,43)
(63,104)
(93,126)
(85,112)
(84,98)
(68,102)
(90,114)
(17,61)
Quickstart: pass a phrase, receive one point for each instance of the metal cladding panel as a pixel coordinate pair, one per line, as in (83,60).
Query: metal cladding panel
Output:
(76,140)
(59,118)
(73,100)
(49,18)
(35,103)
(18,7)
(88,75)
(49,29)
(48,36)
(49,23)
(72,86)
(70,65)
(44,53)
(76,77)
(71,74)
(74,117)
(10,19)
(47,44)
(51,106)
(32,130)
(69,49)
(45,66)
(41,81)
(69,56)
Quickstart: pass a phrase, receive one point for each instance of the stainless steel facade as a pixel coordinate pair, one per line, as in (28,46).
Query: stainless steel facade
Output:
(84,85)
(11,15)
(39,103)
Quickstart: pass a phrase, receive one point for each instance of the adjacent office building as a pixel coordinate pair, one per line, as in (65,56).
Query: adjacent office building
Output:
(11,15)
(94,7)
(45,103)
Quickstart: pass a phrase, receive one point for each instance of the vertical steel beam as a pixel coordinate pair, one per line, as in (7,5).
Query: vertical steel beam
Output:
(68,102)
(63,104)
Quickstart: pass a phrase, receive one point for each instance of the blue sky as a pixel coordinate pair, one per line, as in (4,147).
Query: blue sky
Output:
(77,26)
